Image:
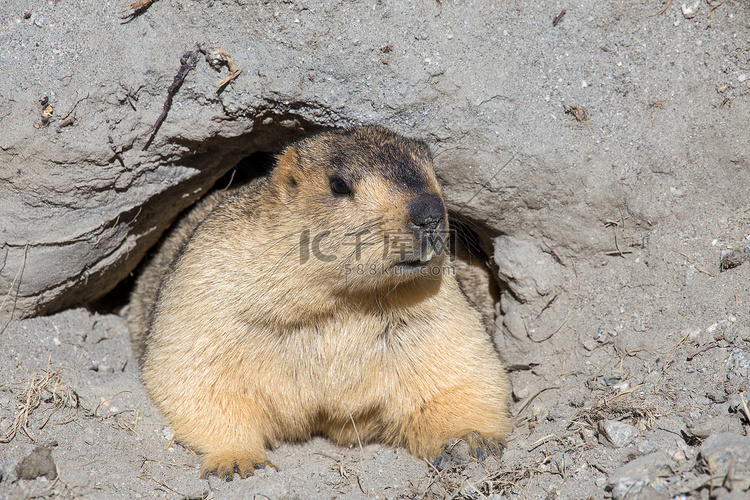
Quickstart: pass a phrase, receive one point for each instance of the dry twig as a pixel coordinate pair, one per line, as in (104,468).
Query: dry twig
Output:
(220,57)
(714,7)
(17,277)
(614,408)
(149,477)
(744,405)
(45,386)
(187,63)
(664,9)
(558,18)
(580,113)
(136,7)
(538,341)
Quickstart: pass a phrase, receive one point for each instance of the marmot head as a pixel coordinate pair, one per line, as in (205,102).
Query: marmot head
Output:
(365,207)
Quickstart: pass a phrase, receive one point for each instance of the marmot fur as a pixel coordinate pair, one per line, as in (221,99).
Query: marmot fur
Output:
(314,301)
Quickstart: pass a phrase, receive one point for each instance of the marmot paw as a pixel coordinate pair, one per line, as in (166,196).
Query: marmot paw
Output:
(463,449)
(224,465)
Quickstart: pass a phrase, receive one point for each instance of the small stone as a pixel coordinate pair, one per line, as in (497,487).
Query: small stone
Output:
(689,11)
(739,363)
(527,270)
(645,447)
(616,434)
(653,492)
(631,478)
(38,463)
(735,495)
(728,453)
(735,402)
(521,392)
(468,490)
(40,22)
(742,77)
(717,424)
(610,381)
(621,386)
(733,258)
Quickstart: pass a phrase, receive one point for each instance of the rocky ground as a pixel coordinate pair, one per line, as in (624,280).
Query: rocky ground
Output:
(604,159)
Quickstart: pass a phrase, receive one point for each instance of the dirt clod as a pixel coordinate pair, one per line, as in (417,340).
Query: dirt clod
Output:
(37,463)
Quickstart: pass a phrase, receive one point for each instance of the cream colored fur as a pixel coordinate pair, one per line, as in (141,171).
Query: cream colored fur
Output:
(245,346)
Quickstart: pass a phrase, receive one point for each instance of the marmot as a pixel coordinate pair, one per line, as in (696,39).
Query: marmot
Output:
(316,301)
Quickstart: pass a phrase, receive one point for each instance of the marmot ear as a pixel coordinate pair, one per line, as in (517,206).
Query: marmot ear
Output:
(284,176)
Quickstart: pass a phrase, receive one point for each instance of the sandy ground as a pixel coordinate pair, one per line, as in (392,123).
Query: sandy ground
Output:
(627,380)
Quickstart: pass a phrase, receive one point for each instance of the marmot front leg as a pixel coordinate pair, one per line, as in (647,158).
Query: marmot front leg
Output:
(478,447)
(226,430)
(477,415)
(224,463)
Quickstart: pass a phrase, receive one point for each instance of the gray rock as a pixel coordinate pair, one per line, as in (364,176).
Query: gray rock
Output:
(653,491)
(734,495)
(645,447)
(715,425)
(616,434)
(468,490)
(512,316)
(738,364)
(630,479)
(37,463)
(733,258)
(527,270)
(727,457)
(735,402)
(738,371)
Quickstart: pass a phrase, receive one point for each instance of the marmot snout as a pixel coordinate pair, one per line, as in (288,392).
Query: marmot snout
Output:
(316,301)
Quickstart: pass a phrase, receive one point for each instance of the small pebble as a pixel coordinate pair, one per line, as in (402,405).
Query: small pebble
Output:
(631,478)
(645,447)
(689,11)
(38,463)
(616,434)
(40,22)
(621,386)
(742,77)
(468,490)
(727,453)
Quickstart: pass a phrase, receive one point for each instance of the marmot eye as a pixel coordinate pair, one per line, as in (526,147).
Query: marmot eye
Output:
(340,187)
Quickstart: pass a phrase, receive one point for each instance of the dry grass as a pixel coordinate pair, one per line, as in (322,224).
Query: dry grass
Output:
(512,481)
(640,413)
(41,387)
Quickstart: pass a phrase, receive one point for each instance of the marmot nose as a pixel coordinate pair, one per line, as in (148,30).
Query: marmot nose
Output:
(427,211)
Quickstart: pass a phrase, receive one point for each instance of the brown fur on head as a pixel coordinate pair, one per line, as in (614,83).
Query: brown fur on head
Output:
(364,205)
